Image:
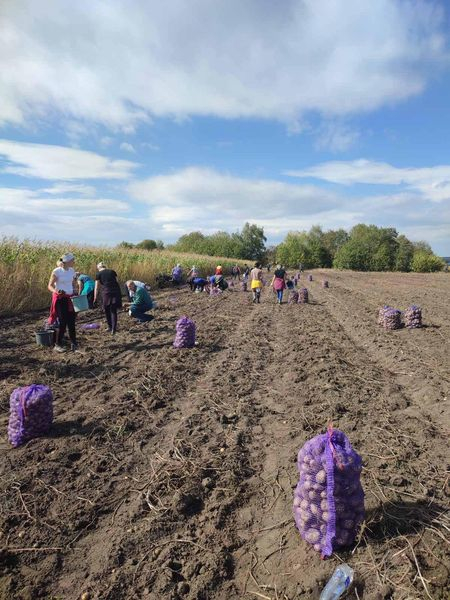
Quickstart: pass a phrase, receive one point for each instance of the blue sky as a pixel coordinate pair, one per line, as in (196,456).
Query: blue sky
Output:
(125,121)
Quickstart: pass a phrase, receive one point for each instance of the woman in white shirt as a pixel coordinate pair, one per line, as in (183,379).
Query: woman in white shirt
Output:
(61,285)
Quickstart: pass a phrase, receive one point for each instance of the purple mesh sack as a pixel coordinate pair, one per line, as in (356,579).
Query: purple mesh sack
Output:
(310,277)
(329,499)
(303,296)
(243,286)
(30,413)
(293,297)
(215,291)
(185,336)
(325,283)
(392,318)
(413,317)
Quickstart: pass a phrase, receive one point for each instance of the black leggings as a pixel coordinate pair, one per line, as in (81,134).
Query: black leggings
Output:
(66,318)
(111,316)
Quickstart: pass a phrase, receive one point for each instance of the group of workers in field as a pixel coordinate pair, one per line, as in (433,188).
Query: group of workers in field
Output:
(65,282)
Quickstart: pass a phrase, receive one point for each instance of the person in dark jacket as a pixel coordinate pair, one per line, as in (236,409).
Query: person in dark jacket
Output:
(111,294)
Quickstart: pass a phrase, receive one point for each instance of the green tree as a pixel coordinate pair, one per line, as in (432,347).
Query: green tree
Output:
(424,262)
(191,242)
(369,248)
(294,250)
(125,245)
(318,254)
(404,254)
(253,242)
(147,245)
(334,239)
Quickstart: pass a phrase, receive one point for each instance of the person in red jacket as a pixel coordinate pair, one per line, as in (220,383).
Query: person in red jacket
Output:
(61,285)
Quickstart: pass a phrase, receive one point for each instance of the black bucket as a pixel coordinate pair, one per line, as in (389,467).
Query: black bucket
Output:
(45,337)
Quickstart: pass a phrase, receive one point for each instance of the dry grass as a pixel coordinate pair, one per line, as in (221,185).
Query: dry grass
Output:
(25,268)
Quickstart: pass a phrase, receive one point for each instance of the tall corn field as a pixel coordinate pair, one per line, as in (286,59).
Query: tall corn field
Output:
(25,268)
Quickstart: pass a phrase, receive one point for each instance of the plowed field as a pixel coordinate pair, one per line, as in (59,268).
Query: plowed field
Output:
(169,474)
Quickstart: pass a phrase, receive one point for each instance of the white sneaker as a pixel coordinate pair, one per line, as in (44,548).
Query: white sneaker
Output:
(58,348)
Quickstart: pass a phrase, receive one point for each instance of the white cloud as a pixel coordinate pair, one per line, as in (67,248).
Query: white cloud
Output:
(59,162)
(432,182)
(204,196)
(150,146)
(118,64)
(26,213)
(335,137)
(59,189)
(126,147)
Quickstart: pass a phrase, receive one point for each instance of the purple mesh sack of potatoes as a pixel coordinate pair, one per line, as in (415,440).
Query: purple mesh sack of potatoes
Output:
(392,318)
(243,286)
(293,297)
(381,312)
(329,499)
(325,283)
(30,413)
(413,317)
(185,336)
(215,291)
(303,296)
(310,277)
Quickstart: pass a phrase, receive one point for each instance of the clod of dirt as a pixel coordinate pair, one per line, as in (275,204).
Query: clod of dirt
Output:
(207,483)
(187,503)
(183,588)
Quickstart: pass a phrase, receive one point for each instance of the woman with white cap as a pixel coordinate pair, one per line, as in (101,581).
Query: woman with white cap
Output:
(111,294)
(61,285)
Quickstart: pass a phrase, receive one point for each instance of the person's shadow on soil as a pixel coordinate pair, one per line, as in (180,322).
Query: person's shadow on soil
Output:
(392,519)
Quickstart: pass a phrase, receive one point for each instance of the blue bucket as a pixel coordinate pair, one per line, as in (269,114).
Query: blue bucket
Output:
(80,303)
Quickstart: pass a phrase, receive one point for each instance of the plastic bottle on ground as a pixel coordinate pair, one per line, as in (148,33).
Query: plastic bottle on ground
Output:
(340,582)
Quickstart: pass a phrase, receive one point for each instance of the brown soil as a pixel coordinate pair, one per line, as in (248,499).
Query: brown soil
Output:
(170,473)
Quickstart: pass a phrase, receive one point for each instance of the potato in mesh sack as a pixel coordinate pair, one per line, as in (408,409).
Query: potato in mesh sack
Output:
(329,499)
(30,413)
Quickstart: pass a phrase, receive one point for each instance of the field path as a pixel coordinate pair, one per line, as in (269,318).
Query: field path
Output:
(169,474)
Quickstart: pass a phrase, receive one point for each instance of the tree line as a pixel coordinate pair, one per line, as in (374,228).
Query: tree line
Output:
(363,248)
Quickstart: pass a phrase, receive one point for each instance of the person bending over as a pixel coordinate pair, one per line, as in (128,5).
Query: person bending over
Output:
(86,286)
(198,284)
(142,302)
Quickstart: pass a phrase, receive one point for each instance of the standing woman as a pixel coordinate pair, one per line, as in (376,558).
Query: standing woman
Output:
(111,294)
(61,285)
(279,282)
(256,276)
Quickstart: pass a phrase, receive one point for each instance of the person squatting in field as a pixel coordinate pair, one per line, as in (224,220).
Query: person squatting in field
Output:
(279,282)
(139,284)
(61,286)
(86,286)
(256,276)
(142,303)
(111,294)
(218,280)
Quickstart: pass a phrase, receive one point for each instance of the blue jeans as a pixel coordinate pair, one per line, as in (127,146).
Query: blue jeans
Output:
(139,312)
(279,295)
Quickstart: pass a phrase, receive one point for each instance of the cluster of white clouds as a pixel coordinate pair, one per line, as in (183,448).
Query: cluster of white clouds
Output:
(112,64)
(107,67)
(203,198)
(46,161)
